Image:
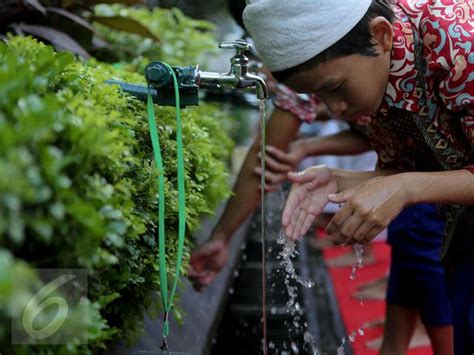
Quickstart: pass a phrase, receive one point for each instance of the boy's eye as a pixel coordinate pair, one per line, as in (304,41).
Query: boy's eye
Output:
(339,86)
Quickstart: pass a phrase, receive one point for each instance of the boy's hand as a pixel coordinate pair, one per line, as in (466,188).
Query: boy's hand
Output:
(307,198)
(279,163)
(206,262)
(368,209)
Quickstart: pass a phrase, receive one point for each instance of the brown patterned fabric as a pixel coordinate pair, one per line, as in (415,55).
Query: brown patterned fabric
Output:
(409,141)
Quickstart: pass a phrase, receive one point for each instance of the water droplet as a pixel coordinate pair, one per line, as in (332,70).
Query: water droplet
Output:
(294,348)
(361,331)
(271,345)
(352,337)
(273,310)
(236,273)
(340,349)
(231,291)
(309,340)
(359,251)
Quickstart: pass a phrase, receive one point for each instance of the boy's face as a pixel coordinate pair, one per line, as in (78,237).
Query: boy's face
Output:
(354,85)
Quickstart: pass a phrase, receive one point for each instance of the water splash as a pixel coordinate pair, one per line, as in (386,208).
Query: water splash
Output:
(359,251)
(295,348)
(340,349)
(309,340)
(351,337)
(288,252)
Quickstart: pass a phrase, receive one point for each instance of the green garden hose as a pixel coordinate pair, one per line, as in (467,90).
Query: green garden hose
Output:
(167,298)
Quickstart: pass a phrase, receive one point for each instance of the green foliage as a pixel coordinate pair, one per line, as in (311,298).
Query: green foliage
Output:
(78,185)
(66,23)
(183,41)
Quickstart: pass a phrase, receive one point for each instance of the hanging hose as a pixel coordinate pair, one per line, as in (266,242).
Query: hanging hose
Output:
(167,298)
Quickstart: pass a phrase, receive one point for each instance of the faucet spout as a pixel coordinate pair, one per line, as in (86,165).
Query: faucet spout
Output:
(250,80)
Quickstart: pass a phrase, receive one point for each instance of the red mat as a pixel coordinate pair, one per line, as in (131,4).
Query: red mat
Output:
(354,313)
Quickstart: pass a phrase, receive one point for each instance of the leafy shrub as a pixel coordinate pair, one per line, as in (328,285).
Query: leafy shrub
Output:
(188,43)
(66,24)
(78,186)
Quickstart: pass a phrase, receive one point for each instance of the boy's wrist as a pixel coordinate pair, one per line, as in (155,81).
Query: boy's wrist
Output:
(306,147)
(301,149)
(413,184)
(221,235)
(343,179)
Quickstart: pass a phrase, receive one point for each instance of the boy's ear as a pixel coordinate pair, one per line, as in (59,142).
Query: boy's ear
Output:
(382,33)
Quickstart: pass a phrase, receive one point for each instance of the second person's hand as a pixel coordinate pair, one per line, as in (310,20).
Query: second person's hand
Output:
(279,163)
(206,262)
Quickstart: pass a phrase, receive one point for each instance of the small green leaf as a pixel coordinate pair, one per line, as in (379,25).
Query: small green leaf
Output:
(125,24)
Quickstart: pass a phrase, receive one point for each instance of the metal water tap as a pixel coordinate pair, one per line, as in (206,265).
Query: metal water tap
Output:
(238,75)
(190,79)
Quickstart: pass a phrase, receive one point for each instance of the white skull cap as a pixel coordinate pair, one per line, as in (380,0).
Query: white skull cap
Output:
(287,33)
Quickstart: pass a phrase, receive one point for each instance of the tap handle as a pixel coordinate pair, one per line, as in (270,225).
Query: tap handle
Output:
(239,45)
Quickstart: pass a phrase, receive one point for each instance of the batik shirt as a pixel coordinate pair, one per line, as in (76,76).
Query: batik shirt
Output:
(445,29)
(426,121)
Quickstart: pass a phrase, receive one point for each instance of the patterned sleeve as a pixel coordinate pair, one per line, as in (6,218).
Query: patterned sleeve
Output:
(302,106)
(449,35)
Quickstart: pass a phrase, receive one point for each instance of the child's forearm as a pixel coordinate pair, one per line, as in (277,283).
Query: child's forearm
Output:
(342,143)
(349,178)
(445,187)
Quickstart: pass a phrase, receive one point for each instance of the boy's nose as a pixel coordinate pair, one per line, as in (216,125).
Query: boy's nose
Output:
(338,108)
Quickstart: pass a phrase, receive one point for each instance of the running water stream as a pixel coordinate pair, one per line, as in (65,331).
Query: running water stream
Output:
(261,107)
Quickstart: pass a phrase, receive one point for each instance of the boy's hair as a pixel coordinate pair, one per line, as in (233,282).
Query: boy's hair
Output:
(357,41)
(236,9)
